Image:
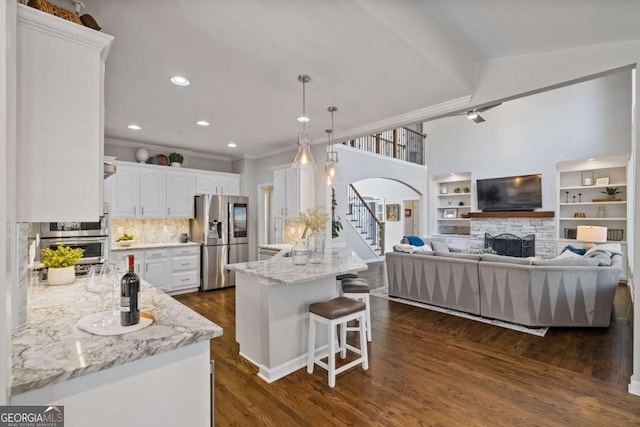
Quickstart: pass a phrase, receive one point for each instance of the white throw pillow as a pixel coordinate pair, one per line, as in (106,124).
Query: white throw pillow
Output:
(611,247)
(568,254)
(404,247)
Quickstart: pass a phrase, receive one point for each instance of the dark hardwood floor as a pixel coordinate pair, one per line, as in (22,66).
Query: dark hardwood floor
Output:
(429,368)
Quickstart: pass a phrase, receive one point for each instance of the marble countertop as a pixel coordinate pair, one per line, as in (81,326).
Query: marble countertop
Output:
(115,247)
(276,246)
(280,270)
(51,349)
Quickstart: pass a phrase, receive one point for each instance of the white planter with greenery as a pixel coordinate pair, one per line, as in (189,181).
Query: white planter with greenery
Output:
(61,276)
(60,264)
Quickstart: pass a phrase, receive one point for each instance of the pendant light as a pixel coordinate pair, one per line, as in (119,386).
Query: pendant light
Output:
(303,158)
(332,156)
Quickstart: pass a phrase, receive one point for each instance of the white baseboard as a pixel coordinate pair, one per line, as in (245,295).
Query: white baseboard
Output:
(280,371)
(634,385)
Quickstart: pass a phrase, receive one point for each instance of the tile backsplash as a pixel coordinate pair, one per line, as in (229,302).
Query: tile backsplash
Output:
(150,230)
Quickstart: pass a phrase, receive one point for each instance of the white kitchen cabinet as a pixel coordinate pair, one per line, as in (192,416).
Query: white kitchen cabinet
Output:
(60,118)
(137,191)
(153,193)
(138,260)
(218,184)
(293,192)
(124,190)
(185,268)
(180,192)
(157,268)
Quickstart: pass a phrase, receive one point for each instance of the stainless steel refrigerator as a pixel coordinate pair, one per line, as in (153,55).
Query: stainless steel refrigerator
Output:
(221,225)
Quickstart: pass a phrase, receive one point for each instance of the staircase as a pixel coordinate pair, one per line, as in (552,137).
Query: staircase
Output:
(364,220)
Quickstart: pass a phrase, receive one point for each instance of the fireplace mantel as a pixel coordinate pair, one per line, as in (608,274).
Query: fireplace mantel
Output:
(513,214)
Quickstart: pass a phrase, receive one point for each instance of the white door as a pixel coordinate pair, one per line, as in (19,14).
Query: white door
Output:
(125,193)
(153,193)
(180,195)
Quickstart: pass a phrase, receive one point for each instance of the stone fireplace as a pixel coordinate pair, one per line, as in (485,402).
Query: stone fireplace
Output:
(521,224)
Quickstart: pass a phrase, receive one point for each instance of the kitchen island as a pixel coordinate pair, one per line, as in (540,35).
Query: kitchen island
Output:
(272,302)
(159,375)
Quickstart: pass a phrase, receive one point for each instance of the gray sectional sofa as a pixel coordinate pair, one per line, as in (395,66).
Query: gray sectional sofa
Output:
(530,292)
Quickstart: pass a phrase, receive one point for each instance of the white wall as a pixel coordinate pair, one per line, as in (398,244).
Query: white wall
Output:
(246,168)
(8,243)
(390,192)
(531,134)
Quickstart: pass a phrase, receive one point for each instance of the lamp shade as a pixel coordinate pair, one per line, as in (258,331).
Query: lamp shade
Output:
(304,158)
(591,234)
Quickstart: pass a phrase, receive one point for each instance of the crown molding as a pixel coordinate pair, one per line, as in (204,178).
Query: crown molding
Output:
(183,151)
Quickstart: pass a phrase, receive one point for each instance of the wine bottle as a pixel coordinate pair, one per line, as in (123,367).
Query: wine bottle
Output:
(130,297)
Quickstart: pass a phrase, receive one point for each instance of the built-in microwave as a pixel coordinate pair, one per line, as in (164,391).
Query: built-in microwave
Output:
(95,248)
(75,229)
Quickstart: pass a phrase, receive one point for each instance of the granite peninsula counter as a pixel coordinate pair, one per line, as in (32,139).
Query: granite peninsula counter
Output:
(54,362)
(272,302)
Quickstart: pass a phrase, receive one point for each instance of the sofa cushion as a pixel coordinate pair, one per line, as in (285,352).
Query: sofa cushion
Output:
(567,262)
(424,250)
(578,251)
(414,240)
(457,255)
(404,247)
(505,259)
(440,247)
(569,254)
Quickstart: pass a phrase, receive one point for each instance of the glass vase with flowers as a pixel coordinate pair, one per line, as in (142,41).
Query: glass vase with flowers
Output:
(315,222)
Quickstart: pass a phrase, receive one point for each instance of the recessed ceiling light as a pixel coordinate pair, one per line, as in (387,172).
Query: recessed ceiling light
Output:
(134,127)
(303,119)
(179,81)
(202,123)
(232,145)
(591,160)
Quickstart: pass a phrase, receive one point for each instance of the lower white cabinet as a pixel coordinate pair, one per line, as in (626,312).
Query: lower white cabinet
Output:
(156,267)
(169,269)
(185,268)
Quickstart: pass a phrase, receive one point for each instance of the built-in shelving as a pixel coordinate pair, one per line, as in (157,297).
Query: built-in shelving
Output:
(576,205)
(453,202)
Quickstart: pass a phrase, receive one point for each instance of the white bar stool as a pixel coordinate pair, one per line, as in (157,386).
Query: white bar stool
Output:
(336,313)
(358,289)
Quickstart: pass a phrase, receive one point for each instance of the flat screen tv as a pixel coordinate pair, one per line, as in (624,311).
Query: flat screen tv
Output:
(512,193)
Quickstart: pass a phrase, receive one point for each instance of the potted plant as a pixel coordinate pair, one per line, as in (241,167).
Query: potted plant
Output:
(336,227)
(176,159)
(60,263)
(611,192)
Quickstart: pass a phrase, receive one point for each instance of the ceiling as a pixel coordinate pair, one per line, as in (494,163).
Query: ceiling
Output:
(373,59)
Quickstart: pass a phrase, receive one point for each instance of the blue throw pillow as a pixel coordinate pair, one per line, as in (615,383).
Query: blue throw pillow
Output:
(415,240)
(574,250)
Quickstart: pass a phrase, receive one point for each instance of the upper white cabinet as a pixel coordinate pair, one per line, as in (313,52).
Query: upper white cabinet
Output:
(150,191)
(60,118)
(293,192)
(218,184)
(180,192)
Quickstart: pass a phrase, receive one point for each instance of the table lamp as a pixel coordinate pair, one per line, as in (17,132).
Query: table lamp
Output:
(591,234)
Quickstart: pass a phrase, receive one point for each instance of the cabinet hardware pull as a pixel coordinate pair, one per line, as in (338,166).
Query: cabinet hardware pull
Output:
(134,211)
(185,264)
(168,211)
(143,210)
(185,280)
